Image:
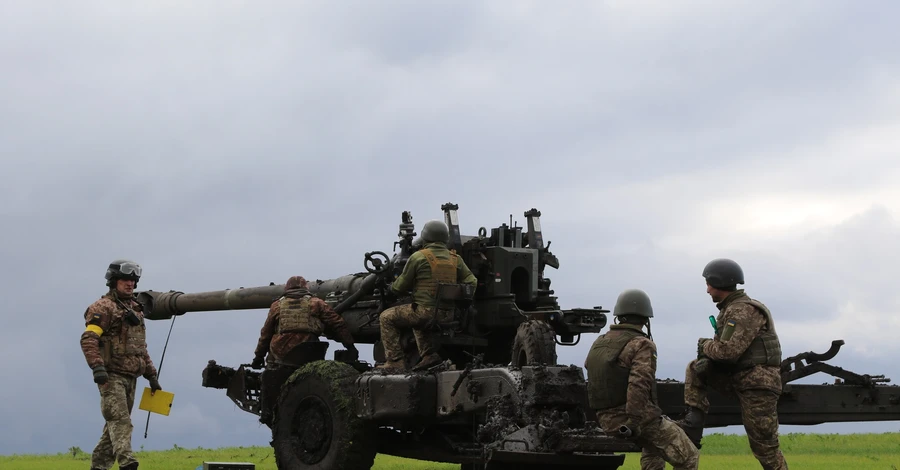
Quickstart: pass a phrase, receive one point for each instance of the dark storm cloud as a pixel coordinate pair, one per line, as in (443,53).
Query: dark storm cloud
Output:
(223,147)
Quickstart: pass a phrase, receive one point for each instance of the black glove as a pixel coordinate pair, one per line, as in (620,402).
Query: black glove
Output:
(634,430)
(258,363)
(154,384)
(700,343)
(701,366)
(100,375)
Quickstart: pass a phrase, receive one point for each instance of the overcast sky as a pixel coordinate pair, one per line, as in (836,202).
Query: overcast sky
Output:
(223,145)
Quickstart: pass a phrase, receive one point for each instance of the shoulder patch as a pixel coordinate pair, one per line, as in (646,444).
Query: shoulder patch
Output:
(95,319)
(728,330)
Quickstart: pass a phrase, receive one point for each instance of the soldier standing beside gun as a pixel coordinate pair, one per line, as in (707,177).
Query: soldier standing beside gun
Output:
(115,347)
(744,359)
(294,319)
(621,370)
(424,269)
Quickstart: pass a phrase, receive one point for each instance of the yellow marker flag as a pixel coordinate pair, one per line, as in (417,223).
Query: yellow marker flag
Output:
(160,402)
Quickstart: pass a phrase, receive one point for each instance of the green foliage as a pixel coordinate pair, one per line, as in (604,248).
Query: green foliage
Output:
(819,451)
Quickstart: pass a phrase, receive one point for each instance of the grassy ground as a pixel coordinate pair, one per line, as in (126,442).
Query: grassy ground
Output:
(815,451)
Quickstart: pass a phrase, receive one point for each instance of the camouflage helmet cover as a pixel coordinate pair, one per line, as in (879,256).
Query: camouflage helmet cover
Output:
(633,302)
(295,282)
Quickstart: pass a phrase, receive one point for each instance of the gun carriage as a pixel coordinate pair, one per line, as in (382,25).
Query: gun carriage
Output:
(499,400)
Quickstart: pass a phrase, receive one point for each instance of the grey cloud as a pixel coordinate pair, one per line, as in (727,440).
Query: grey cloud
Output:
(228,147)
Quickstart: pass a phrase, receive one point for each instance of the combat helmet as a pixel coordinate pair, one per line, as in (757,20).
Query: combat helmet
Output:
(633,302)
(723,272)
(435,231)
(296,282)
(122,269)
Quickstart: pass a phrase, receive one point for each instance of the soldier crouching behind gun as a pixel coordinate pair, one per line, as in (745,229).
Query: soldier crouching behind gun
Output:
(621,370)
(743,359)
(294,319)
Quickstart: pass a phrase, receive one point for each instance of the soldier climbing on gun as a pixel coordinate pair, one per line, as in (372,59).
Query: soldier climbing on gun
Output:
(295,320)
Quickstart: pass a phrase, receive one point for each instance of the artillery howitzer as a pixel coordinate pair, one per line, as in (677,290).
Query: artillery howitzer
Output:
(500,399)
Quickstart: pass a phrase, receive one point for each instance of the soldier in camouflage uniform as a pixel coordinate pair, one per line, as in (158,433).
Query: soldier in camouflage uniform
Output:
(115,347)
(621,372)
(743,359)
(295,322)
(430,265)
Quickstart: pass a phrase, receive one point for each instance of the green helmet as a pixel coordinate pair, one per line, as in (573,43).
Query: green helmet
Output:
(122,269)
(633,302)
(723,272)
(435,231)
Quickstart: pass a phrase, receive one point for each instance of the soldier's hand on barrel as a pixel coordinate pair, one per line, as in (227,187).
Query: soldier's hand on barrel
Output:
(257,363)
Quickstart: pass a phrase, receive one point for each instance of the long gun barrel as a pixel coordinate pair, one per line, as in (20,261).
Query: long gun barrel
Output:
(163,305)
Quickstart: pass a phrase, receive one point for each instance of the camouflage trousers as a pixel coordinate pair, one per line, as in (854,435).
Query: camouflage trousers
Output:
(395,319)
(759,407)
(116,403)
(661,440)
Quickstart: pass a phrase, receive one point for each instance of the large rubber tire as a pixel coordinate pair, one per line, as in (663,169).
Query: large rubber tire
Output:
(315,425)
(535,344)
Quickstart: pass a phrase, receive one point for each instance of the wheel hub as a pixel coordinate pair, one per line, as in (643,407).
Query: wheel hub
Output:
(312,428)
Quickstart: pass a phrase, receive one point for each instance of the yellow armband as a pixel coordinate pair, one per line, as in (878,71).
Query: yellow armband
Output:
(94,329)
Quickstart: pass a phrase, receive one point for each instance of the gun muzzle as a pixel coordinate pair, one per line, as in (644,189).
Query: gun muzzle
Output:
(624,431)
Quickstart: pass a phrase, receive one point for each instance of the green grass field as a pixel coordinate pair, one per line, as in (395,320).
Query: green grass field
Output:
(727,452)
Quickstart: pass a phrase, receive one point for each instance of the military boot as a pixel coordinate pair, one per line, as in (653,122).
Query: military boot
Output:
(392,366)
(131,466)
(692,424)
(428,361)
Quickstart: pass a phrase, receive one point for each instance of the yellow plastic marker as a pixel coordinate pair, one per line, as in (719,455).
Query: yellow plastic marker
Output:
(160,402)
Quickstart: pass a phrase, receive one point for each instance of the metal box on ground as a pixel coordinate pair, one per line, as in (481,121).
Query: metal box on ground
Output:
(228,466)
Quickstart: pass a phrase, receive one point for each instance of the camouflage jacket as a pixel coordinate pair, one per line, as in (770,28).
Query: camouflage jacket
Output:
(417,268)
(639,356)
(279,344)
(106,328)
(750,323)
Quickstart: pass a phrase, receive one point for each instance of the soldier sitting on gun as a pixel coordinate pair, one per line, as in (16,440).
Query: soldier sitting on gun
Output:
(425,269)
(295,321)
